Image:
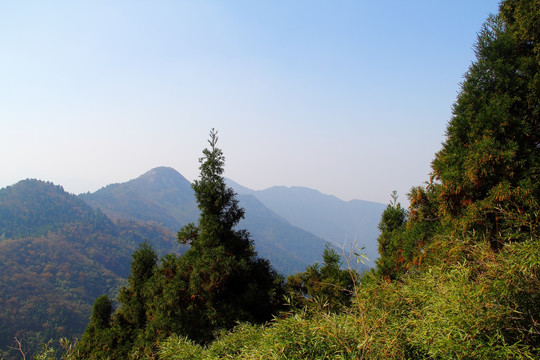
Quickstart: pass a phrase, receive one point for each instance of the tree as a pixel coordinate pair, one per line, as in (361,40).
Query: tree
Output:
(391,240)
(134,297)
(322,288)
(219,280)
(488,167)
(115,337)
(101,312)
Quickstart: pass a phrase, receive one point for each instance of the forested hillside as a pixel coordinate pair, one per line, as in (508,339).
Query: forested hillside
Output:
(56,256)
(161,195)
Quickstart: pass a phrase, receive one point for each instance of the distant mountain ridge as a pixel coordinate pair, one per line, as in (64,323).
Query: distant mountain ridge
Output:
(336,221)
(34,207)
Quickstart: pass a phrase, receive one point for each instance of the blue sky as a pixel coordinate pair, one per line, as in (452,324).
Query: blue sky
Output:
(347,97)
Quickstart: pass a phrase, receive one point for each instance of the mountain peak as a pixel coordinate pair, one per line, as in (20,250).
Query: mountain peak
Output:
(33,207)
(163,174)
(162,171)
(162,195)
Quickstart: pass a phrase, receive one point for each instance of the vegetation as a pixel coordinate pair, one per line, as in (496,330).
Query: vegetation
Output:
(459,271)
(441,313)
(57,255)
(216,283)
(326,288)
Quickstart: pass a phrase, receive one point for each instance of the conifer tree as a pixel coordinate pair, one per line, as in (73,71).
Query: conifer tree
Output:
(391,240)
(101,312)
(114,337)
(485,180)
(488,167)
(219,280)
(134,297)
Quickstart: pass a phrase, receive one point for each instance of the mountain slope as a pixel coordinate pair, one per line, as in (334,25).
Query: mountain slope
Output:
(33,207)
(337,221)
(57,255)
(289,248)
(160,195)
(165,197)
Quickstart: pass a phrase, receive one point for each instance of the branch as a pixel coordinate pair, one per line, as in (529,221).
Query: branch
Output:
(19,348)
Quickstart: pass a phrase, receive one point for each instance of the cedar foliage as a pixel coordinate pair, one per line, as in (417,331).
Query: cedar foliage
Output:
(488,168)
(485,179)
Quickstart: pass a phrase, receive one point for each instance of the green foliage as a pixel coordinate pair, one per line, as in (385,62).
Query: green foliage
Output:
(485,177)
(404,234)
(489,164)
(65,350)
(219,280)
(392,227)
(322,288)
(134,298)
(72,254)
(101,312)
(216,283)
(485,306)
(115,338)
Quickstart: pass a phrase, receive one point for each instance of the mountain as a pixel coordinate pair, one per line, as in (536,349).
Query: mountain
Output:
(59,252)
(334,220)
(289,248)
(57,255)
(163,196)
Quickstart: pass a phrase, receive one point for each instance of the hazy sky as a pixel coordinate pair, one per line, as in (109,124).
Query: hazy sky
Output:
(348,97)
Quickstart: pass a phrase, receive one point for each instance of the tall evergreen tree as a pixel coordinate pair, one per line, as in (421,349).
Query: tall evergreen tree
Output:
(219,280)
(216,283)
(485,179)
(488,167)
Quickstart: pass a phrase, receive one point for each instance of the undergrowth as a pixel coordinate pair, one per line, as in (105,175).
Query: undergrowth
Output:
(486,305)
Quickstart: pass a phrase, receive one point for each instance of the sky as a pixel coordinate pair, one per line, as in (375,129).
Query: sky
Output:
(351,98)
